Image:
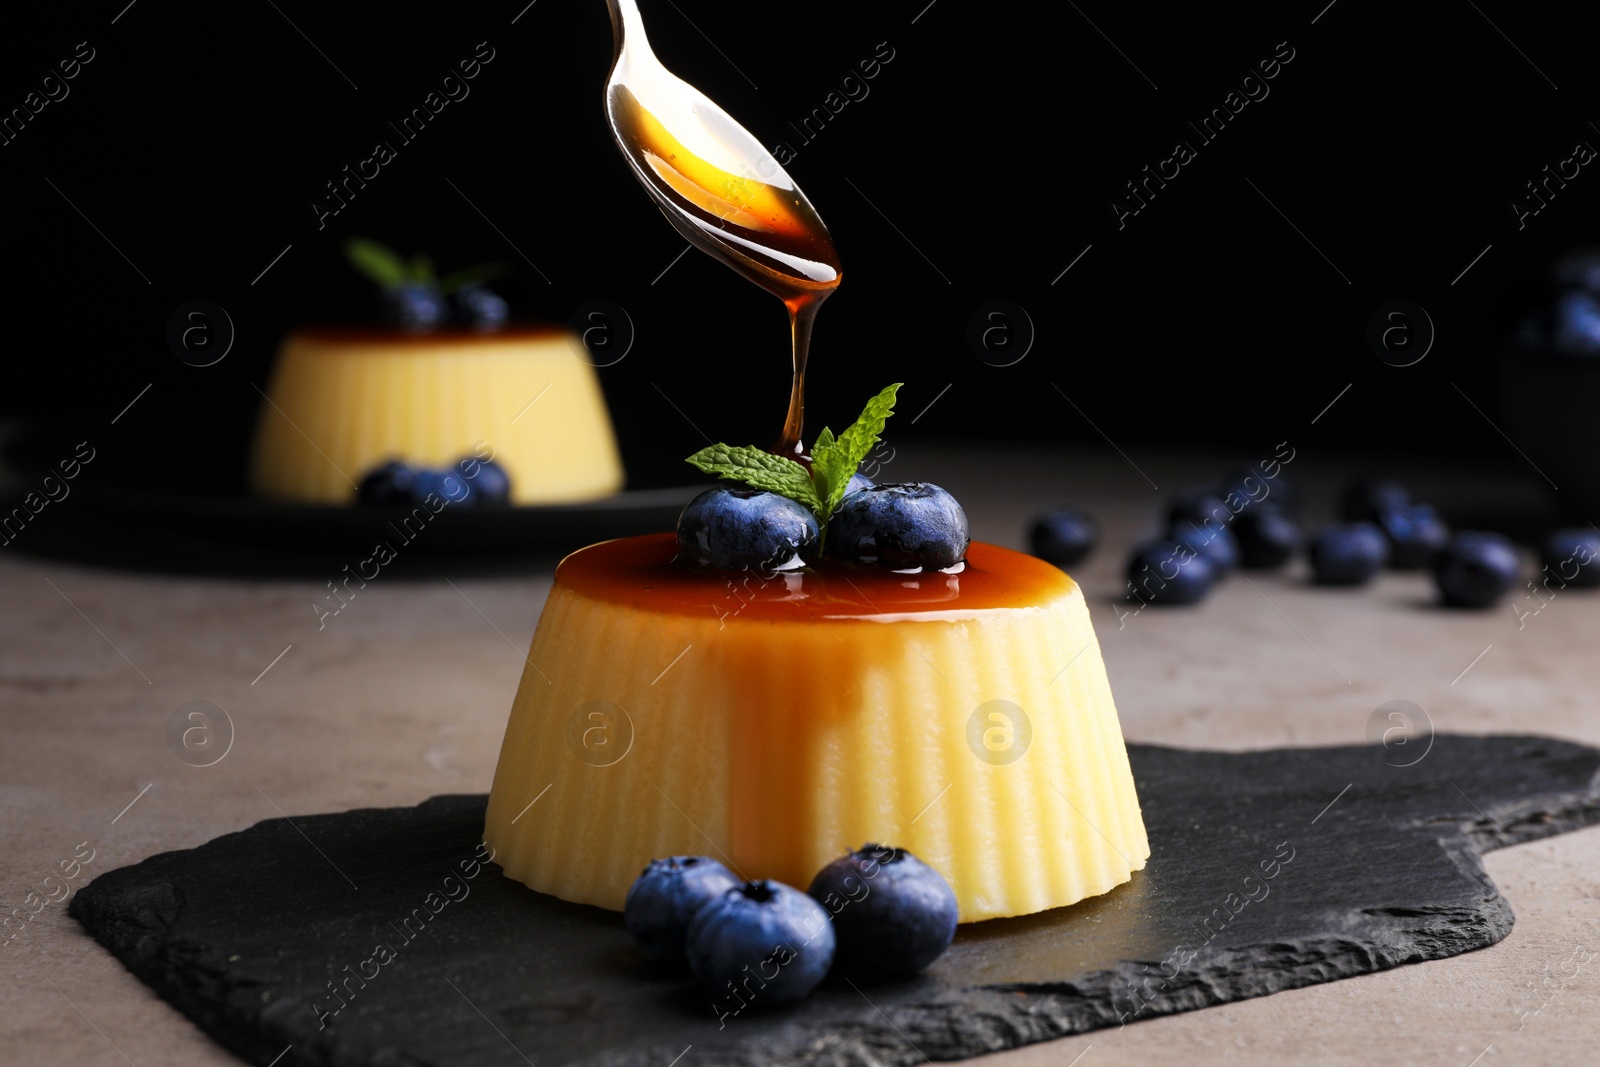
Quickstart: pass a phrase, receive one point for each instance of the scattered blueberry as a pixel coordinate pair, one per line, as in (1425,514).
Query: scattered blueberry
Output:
(1371,500)
(446,485)
(666,897)
(890,910)
(415,307)
(389,484)
(491,485)
(1167,572)
(1267,538)
(1475,569)
(1348,554)
(764,941)
(1415,533)
(1250,488)
(480,307)
(858,481)
(900,525)
(1197,504)
(1575,324)
(1064,536)
(1216,543)
(746,529)
(1572,557)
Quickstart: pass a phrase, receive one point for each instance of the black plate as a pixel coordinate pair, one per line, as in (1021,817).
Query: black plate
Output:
(173,498)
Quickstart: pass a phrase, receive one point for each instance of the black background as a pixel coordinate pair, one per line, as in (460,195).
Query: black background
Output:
(989,146)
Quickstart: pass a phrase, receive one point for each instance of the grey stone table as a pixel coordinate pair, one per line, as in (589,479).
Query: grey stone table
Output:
(403,696)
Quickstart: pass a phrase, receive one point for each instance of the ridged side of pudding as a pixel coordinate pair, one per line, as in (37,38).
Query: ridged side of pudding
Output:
(341,402)
(775,724)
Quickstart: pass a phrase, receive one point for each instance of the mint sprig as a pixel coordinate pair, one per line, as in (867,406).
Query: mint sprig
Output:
(380,263)
(758,468)
(388,269)
(833,461)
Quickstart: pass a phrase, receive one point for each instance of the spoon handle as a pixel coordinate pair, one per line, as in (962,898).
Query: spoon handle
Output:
(624,21)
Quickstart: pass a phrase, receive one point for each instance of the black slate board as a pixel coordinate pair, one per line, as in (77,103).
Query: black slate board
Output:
(1269,870)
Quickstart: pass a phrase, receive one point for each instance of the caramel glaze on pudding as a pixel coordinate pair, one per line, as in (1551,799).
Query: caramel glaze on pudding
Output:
(774,722)
(641,572)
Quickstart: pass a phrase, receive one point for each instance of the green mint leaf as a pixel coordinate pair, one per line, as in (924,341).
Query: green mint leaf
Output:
(830,473)
(844,456)
(421,269)
(378,262)
(759,469)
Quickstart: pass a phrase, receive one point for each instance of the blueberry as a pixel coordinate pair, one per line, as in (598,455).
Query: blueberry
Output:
(761,943)
(388,485)
(1348,554)
(415,307)
(900,525)
(448,486)
(1415,533)
(1372,499)
(666,897)
(1064,535)
(491,485)
(1475,569)
(858,481)
(1197,504)
(1267,537)
(480,307)
(891,911)
(1167,572)
(745,529)
(1572,557)
(1216,543)
(1250,488)
(1575,324)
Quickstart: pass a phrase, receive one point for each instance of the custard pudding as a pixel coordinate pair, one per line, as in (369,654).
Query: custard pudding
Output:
(776,721)
(343,401)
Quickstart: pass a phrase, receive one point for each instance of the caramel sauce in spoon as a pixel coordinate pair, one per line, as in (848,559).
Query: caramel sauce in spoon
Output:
(722,190)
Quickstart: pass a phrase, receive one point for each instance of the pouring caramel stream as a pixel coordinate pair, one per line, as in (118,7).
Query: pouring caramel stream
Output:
(722,190)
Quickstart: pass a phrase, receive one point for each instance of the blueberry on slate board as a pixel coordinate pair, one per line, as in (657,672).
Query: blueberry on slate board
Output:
(746,529)
(1166,572)
(1475,569)
(1572,557)
(1267,537)
(1063,536)
(387,485)
(1348,554)
(1415,533)
(666,897)
(900,525)
(858,481)
(1373,498)
(766,929)
(891,911)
